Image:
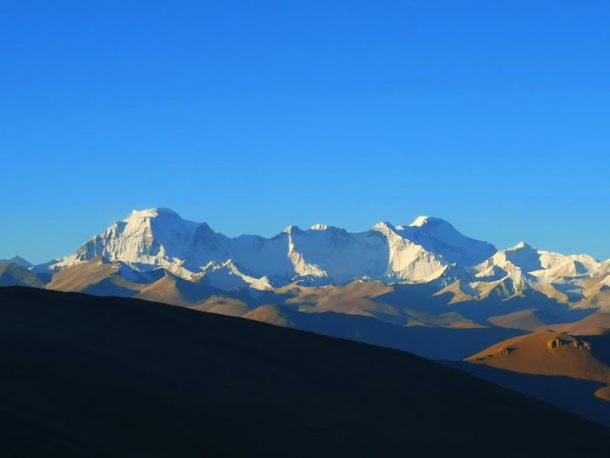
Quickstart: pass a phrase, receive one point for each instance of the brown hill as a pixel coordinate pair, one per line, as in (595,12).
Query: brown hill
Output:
(97,276)
(271,314)
(173,290)
(356,298)
(222,305)
(438,343)
(441,320)
(526,320)
(456,291)
(12,274)
(554,353)
(165,290)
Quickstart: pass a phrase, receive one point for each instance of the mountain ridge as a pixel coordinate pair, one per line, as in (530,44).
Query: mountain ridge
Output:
(429,250)
(413,253)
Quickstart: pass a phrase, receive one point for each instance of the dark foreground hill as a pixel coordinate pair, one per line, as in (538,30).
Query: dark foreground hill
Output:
(91,376)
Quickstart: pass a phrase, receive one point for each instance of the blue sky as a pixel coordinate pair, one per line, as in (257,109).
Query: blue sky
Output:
(256,115)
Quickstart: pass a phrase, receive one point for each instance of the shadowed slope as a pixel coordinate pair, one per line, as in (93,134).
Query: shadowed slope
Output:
(14,275)
(571,394)
(429,342)
(367,298)
(595,321)
(355,298)
(526,320)
(92,376)
(563,364)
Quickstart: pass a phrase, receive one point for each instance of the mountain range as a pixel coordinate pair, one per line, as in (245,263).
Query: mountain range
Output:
(423,288)
(429,250)
(159,238)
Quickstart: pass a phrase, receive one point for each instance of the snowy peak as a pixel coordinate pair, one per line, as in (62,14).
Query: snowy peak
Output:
(292,229)
(521,246)
(521,256)
(153,238)
(383,227)
(555,274)
(319,227)
(439,236)
(422,221)
(429,250)
(326,228)
(151,213)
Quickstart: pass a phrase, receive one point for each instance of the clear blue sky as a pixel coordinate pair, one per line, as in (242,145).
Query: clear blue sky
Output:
(255,115)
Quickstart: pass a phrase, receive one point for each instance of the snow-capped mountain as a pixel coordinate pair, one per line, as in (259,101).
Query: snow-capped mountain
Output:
(154,238)
(427,251)
(160,238)
(540,263)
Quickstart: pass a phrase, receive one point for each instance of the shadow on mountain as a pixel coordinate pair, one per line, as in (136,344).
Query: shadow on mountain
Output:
(423,297)
(564,392)
(428,342)
(93,376)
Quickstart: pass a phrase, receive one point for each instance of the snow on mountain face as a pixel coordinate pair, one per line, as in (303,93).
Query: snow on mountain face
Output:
(336,254)
(408,261)
(555,275)
(227,276)
(155,238)
(438,236)
(544,265)
(428,249)
(160,238)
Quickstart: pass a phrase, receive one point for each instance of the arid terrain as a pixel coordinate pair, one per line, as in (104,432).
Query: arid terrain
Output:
(92,376)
